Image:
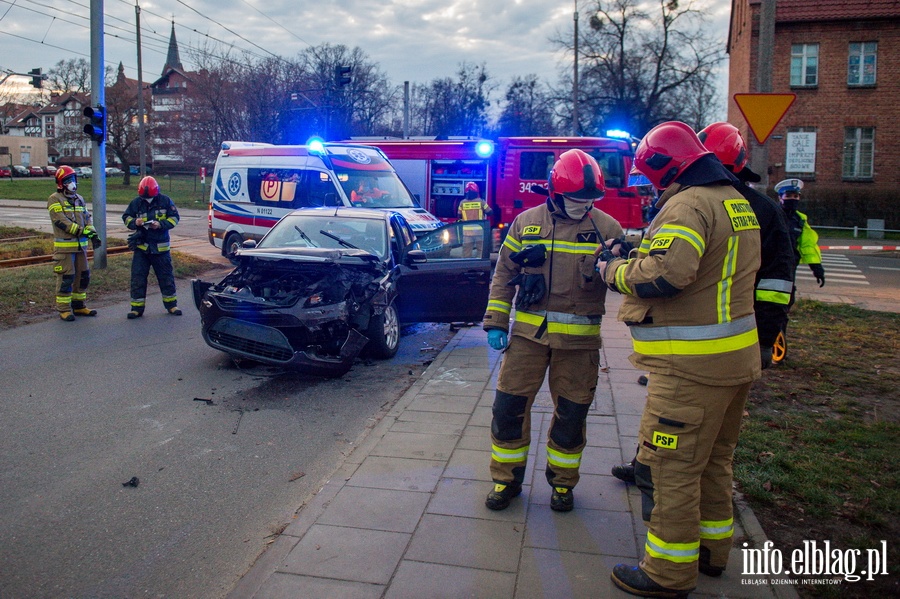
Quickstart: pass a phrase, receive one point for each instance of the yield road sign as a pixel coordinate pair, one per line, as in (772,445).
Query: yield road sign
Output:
(763,111)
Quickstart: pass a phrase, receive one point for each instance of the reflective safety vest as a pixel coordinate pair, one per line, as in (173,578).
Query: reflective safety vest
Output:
(70,217)
(471,210)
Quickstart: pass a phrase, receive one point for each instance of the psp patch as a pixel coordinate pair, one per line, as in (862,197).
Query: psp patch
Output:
(661,244)
(665,440)
(741,214)
(532,230)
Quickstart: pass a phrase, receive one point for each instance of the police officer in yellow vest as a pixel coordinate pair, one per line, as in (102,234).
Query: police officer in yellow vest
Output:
(72,230)
(472,207)
(688,300)
(547,263)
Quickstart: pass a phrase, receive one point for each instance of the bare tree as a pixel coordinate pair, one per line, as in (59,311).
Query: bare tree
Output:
(453,107)
(527,110)
(641,66)
(72,75)
(122,121)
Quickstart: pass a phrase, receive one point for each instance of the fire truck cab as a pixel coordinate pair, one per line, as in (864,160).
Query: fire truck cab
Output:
(436,171)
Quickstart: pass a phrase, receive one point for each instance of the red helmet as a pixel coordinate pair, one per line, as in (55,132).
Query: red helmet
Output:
(577,175)
(471,186)
(667,151)
(63,173)
(148,188)
(725,141)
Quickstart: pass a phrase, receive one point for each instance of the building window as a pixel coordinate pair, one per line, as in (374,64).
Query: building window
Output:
(804,65)
(861,63)
(859,152)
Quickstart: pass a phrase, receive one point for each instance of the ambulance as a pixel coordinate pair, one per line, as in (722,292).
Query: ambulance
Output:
(255,184)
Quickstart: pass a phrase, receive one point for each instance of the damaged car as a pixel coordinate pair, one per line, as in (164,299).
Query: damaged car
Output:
(325,285)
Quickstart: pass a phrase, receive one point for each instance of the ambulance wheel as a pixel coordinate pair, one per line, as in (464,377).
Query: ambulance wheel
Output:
(232,244)
(384,334)
(779,351)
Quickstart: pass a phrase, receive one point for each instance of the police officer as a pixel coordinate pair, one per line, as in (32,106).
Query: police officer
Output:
(775,277)
(688,300)
(805,242)
(151,215)
(73,229)
(472,207)
(547,263)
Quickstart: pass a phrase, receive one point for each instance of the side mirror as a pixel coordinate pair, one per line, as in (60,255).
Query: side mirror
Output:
(248,244)
(416,257)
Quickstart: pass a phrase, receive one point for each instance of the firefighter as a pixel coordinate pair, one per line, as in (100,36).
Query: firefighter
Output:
(805,243)
(775,277)
(472,207)
(688,301)
(547,263)
(151,215)
(73,230)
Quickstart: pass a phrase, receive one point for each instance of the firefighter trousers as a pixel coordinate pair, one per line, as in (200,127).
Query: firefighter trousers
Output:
(686,443)
(161,263)
(572,380)
(73,275)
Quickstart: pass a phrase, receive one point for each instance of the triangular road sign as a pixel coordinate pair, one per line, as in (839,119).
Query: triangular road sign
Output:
(764,111)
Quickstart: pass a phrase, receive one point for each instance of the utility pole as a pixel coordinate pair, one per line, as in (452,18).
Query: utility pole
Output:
(140,98)
(759,154)
(98,148)
(575,77)
(405,109)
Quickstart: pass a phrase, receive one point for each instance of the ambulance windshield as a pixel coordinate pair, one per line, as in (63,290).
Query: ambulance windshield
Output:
(374,189)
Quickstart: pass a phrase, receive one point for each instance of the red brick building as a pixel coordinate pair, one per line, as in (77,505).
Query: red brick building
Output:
(840,57)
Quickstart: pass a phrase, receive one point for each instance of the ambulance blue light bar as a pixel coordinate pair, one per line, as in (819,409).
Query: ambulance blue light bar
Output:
(484,148)
(316,145)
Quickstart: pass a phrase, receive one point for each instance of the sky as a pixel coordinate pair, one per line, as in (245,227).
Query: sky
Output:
(411,40)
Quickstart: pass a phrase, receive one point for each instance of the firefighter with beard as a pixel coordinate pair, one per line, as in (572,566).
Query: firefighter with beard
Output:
(151,216)
(547,264)
(72,230)
(688,301)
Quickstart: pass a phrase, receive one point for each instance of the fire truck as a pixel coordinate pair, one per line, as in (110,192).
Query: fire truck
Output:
(437,170)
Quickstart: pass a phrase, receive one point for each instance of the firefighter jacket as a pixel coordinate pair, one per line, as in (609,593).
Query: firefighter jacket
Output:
(805,240)
(568,316)
(689,291)
(775,278)
(70,219)
(161,209)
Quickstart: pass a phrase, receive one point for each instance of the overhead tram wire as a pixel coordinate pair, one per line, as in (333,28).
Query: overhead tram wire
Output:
(277,23)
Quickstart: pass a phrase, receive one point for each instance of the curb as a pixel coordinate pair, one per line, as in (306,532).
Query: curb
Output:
(754,531)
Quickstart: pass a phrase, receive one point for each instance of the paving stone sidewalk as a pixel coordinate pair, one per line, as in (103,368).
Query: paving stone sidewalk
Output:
(404,515)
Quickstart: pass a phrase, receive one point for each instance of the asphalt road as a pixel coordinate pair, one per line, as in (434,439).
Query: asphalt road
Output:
(87,406)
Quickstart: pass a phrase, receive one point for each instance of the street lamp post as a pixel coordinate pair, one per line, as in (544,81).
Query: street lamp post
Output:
(575,76)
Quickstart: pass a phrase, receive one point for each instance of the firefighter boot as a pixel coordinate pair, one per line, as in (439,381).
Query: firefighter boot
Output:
(562,499)
(632,579)
(79,309)
(706,567)
(501,495)
(67,316)
(174,311)
(135,313)
(624,472)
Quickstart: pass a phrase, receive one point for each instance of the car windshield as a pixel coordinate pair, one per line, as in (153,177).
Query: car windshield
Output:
(374,189)
(304,231)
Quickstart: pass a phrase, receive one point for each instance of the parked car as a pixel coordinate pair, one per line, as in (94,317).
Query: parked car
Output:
(20,171)
(5,172)
(37,171)
(135,169)
(83,172)
(112,171)
(51,170)
(325,283)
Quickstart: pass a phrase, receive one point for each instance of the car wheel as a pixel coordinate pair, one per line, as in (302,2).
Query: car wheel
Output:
(384,334)
(232,244)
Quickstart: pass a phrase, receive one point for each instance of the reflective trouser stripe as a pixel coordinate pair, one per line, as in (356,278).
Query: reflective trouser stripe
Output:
(716,529)
(681,553)
(509,455)
(773,297)
(79,296)
(563,460)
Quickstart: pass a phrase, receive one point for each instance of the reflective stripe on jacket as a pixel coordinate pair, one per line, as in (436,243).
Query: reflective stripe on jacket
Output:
(690,290)
(69,216)
(161,209)
(569,315)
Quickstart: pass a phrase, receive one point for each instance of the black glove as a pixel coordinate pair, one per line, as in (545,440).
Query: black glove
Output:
(95,241)
(135,239)
(531,289)
(819,273)
(530,255)
(765,354)
(624,250)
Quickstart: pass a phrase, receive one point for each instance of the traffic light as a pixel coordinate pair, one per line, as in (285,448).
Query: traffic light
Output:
(37,79)
(96,123)
(342,75)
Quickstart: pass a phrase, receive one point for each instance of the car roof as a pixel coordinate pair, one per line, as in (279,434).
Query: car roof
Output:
(346,212)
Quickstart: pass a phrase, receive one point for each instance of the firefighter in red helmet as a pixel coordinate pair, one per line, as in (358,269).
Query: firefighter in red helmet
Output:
(688,301)
(472,207)
(72,231)
(546,284)
(151,216)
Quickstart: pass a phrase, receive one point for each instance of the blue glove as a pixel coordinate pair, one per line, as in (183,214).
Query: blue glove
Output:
(497,339)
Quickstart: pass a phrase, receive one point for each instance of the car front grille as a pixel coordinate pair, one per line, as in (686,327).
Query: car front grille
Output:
(251,339)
